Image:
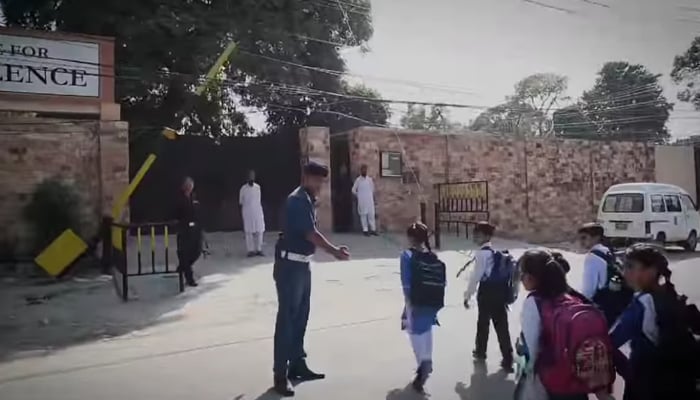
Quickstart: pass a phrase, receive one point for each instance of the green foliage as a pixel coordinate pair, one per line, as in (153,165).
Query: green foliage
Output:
(626,103)
(352,111)
(435,118)
(511,118)
(686,72)
(164,46)
(53,208)
(528,111)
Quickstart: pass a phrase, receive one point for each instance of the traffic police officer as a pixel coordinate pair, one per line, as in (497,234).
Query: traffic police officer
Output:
(189,233)
(292,275)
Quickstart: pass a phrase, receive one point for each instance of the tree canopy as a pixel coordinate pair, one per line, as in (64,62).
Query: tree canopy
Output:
(686,72)
(626,103)
(433,118)
(287,59)
(528,111)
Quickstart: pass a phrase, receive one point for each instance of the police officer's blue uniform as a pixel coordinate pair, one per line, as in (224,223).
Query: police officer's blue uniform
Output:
(293,281)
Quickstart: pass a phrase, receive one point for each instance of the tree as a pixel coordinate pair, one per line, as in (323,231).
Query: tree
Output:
(528,111)
(435,118)
(508,118)
(355,110)
(163,47)
(686,72)
(626,103)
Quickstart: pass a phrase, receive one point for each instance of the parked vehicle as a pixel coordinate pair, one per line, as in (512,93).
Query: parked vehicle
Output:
(633,212)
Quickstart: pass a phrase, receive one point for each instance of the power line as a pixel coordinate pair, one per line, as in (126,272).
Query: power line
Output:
(561,9)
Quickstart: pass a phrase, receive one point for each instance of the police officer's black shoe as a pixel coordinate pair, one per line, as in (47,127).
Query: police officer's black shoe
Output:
(479,356)
(282,386)
(300,372)
(192,283)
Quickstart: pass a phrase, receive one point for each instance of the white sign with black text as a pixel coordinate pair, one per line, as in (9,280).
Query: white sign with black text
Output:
(43,66)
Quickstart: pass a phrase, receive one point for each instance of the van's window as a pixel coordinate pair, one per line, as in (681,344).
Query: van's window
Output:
(688,203)
(624,203)
(657,203)
(673,203)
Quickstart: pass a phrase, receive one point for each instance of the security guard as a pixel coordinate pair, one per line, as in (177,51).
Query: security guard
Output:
(189,233)
(292,275)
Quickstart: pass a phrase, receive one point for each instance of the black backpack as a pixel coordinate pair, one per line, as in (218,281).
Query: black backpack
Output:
(428,280)
(614,298)
(676,362)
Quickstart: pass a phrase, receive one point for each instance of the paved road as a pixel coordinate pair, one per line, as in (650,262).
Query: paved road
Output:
(214,342)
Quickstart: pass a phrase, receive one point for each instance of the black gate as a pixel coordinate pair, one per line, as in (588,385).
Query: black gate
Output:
(460,205)
(219,169)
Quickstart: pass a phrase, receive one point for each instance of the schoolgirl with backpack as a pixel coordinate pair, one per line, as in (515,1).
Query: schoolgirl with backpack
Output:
(564,340)
(423,280)
(660,327)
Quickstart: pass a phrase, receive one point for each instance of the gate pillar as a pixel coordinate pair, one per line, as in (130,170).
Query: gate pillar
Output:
(315,145)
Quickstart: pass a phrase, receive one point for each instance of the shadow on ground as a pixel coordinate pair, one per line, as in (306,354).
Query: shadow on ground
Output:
(41,319)
(483,386)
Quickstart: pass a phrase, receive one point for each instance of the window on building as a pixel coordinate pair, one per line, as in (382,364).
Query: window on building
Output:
(390,164)
(673,203)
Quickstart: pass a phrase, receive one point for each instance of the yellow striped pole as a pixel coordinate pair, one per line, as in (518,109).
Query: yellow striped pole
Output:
(216,67)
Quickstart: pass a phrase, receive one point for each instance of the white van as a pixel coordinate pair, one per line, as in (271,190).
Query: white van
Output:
(650,211)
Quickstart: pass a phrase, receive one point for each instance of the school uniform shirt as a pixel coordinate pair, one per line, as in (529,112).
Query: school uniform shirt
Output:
(422,318)
(595,272)
(483,264)
(531,325)
(637,325)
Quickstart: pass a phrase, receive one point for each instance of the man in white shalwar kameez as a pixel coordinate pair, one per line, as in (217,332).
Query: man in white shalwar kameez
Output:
(363,189)
(253,217)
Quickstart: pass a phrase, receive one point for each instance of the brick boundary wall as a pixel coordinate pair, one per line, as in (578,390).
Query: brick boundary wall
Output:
(539,189)
(91,155)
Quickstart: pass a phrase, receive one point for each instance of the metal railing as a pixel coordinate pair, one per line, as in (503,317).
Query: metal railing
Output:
(116,240)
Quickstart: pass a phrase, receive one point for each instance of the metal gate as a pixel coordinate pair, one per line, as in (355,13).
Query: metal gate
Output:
(460,205)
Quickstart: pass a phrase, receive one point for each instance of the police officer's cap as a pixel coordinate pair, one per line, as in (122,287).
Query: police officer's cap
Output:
(314,168)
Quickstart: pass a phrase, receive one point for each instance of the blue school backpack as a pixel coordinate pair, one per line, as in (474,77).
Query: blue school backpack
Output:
(504,274)
(428,280)
(614,298)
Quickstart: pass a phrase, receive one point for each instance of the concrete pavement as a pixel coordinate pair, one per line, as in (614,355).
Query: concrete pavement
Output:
(214,342)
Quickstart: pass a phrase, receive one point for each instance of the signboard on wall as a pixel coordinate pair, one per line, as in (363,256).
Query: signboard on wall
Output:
(390,164)
(35,65)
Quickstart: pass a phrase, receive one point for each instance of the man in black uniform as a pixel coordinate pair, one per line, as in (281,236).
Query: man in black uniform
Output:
(189,232)
(292,275)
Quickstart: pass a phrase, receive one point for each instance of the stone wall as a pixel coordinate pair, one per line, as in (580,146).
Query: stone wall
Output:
(539,189)
(92,155)
(315,145)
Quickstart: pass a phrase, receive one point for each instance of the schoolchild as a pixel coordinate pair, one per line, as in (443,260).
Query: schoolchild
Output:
(492,279)
(565,340)
(603,283)
(663,359)
(423,281)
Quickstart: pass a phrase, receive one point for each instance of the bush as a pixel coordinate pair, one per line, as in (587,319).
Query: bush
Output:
(53,208)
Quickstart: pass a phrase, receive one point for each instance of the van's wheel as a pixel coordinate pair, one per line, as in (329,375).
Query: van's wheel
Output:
(661,239)
(692,242)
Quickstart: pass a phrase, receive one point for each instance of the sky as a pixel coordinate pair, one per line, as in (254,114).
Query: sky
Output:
(476,50)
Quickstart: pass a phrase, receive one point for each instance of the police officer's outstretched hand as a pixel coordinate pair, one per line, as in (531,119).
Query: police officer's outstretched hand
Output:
(342,253)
